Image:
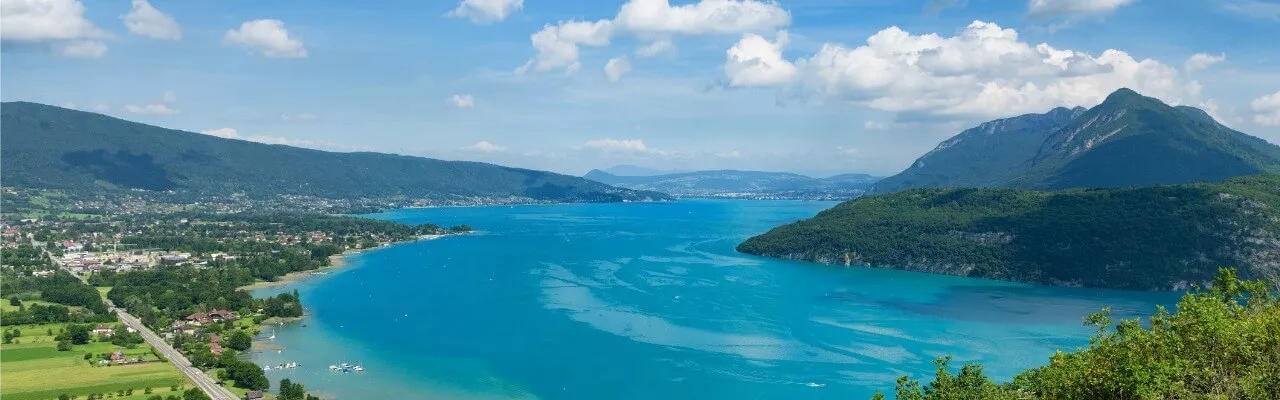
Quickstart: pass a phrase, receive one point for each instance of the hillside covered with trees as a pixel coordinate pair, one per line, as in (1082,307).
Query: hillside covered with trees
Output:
(47,147)
(1164,237)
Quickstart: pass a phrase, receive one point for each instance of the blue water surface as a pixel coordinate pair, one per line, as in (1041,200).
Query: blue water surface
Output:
(650,301)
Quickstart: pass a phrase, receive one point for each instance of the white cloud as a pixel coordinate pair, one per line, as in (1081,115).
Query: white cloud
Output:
(484,147)
(1073,8)
(101,108)
(230,133)
(145,20)
(1204,60)
(622,146)
(169,96)
(983,71)
(657,48)
(557,45)
(1259,9)
(703,17)
(1267,109)
(848,151)
(462,100)
(616,68)
(70,105)
(46,20)
(754,61)
(730,154)
(486,11)
(267,37)
(303,117)
(222,133)
(151,109)
(81,49)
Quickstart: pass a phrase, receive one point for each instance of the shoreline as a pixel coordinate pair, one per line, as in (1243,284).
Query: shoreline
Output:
(336,261)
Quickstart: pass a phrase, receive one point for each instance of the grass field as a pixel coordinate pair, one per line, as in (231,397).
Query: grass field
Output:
(4,304)
(34,369)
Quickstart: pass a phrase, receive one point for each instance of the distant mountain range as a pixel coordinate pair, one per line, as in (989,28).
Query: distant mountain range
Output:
(56,148)
(743,184)
(1128,140)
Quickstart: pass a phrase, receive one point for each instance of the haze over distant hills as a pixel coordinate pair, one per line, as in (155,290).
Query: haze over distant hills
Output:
(56,148)
(743,184)
(1128,140)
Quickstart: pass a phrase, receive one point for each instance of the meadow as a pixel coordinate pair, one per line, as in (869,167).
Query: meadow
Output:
(33,369)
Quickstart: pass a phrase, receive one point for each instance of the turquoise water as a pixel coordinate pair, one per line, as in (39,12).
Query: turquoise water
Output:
(647,301)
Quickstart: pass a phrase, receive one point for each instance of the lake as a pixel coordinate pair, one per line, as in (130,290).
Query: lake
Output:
(650,300)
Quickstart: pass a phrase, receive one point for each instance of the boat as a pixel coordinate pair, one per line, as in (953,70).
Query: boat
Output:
(266,368)
(333,367)
(815,384)
(273,335)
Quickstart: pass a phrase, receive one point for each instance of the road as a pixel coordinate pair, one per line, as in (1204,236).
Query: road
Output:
(204,382)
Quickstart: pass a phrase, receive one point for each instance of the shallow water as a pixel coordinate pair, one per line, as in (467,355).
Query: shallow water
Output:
(644,301)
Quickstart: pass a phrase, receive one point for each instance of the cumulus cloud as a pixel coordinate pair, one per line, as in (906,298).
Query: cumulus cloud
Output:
(616,68)
(484,147)
(706,16)
(754,61)
(557,45)
(622,146)
(303,117)
(1267,109)
(982,71)
(462,100)
(230,133)
(730,154)
(100,108)
(1050,9)
(151,109)
(81,49)
(486,11)
(169,96)
(70,105)
(847,151)
(145,20)
(1204,60)
(657,48)
(59,23)
(267,37)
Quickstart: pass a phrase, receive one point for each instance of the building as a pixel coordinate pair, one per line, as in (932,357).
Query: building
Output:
(215,348)
(180,328)
(117,357)
(253,395)
(221,315)
(104,330)
(198,319)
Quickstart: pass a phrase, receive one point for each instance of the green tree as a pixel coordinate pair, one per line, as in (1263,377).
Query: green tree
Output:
(64,345)
(194,394)
(1220,344)
(240,341)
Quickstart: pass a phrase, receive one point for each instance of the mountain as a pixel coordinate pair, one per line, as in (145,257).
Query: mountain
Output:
(983,156)
(56,148)
(743,184)
(1128,140)
(1164,237)
(632,170)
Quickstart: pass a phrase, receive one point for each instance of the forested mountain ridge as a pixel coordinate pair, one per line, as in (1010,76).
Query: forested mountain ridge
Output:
(983,156)
(1164,237)
(1128,140)
(56,148)
(733,183)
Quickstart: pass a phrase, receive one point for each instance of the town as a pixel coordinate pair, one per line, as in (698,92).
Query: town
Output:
(75,280)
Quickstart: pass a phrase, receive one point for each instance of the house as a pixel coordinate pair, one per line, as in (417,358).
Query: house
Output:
(215,348)
(72,246)
(198,319)
(180,328)
(253,395)
(104,330)
(220,315)
(215,339)
(117,357)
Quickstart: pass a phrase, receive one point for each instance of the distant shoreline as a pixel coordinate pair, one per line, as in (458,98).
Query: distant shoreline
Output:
(336,261)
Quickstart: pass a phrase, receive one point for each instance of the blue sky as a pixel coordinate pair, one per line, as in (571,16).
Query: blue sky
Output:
(811,86)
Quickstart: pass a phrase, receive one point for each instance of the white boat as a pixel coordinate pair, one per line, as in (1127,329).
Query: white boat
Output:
(333,367)
(266,368)
(273,335)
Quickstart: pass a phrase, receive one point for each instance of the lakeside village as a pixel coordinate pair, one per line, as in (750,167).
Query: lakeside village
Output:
(182,275)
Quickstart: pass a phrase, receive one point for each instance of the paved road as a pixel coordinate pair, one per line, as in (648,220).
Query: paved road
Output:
(203,381)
